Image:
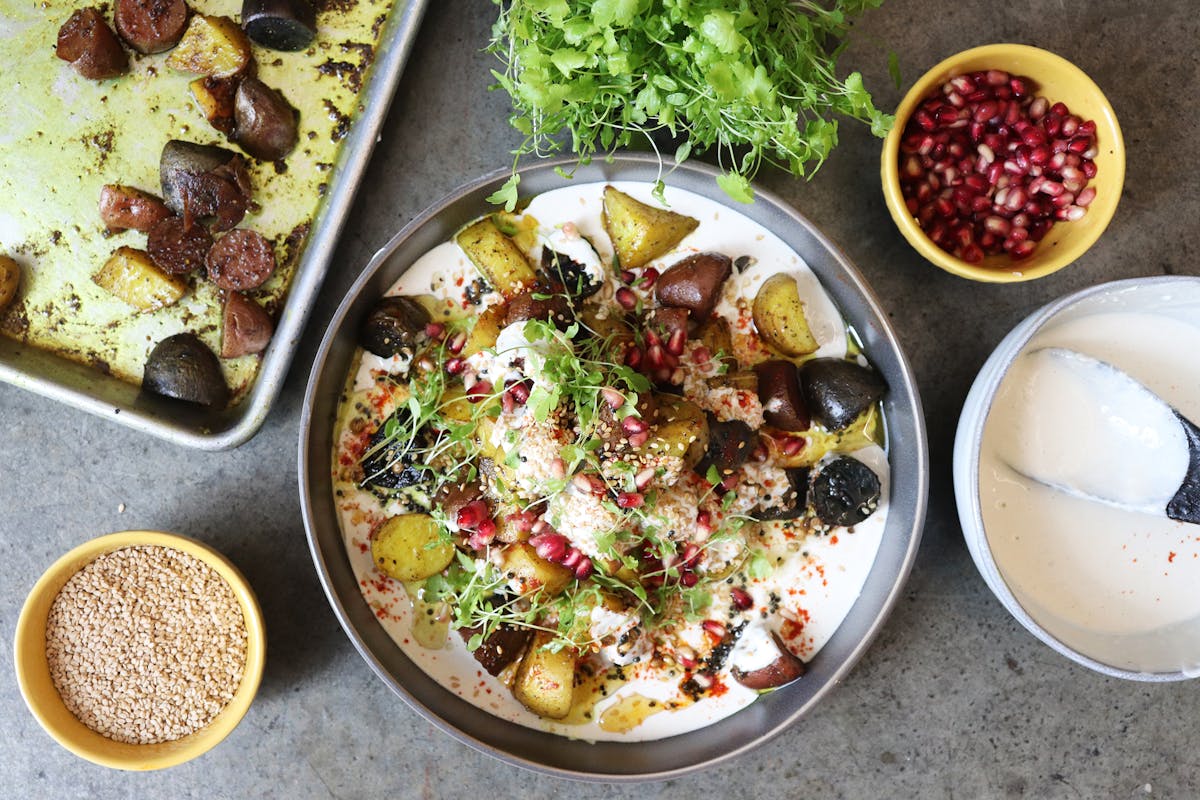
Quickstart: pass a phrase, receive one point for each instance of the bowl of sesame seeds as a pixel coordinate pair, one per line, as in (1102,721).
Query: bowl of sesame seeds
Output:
(140,650)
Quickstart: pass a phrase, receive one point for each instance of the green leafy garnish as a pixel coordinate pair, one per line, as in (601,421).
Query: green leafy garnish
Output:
(754,80)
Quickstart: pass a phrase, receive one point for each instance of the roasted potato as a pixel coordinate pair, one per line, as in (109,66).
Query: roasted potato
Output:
(411,547)
(501,648)
(497,257)
(641,233)
(487,329)
(782,401)
(744,380)
(784,669)
(131,275)
(10,280)
(694,283)
(215,98)
(396,325)
(838,391)
(183,367)
(863,431)
(522,562)
(779,317)
(844,491)
(545,681)
(682,430)
(716,337)
(211,45)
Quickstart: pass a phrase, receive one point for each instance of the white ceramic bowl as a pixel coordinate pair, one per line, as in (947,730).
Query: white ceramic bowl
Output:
(1024,602)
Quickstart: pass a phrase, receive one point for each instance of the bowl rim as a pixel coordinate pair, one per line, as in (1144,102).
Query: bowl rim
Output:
(968,442)
(890,170)
(38,690)
(314,456)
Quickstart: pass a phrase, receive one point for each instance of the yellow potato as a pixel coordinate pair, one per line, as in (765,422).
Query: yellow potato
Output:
(641,233)
(411,547)
(213,46)
(817,443)
(682,430)
(497,257)
(132,276)
(10,280)
(486,331)
(779,317)
(215,97)
(523,563)
(545,681)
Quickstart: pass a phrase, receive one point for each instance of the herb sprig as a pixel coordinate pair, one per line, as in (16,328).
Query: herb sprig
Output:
(754,80)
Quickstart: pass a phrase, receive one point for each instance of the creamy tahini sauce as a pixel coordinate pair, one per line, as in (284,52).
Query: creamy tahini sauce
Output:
(816,584)
(1116,584)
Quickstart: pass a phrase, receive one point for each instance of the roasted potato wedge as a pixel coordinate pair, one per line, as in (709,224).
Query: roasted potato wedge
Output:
(641,233)
(779,317)
(784,669)
(211,45)
(545,681)
(131,275)
(487,329)
(497,257)
(215,98)
(10,280)
(716,337)
(522,562)
(411,547)
(838,391)
(501,648)
(682,430)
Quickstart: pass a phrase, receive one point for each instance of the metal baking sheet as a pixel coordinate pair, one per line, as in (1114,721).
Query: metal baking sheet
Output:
(63,137)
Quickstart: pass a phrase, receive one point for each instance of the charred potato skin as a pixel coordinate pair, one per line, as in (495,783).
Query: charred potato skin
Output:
(838,391)
(682,431)
(641,233)
(10,281)
(695,283)
(395,326)
(184,368)
(779,391)
(844,492)
(780,672)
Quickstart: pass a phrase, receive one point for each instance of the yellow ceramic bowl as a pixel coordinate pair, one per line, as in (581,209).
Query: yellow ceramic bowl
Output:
(33,673)
(1058,80)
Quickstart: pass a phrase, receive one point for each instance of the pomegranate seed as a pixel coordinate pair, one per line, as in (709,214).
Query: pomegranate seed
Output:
(654,356)
(713,628)
(457,342)
(740,598)
(689,579)
(486,530)
(677,342)
(652,339)
(634,425)
(636,440)
(454,366)
(627,276)
(729,483)
(612,397)
(523,521)
(1089,169)
(520,392)
(558,467)
(1037,109)
(997,225)
(1079,145)
(507,404)
(582,483)
(1085,198)
(572,558)
(997,77)
(583,570)
(649,276)
(435,330)
(690,555)
(1087,128)
(792,445)
(1022,250)
(470,515)
(478,391)
(1071,213)
(701,355)
(686,657)
(626,298)
(630,500)
(539,526)
(633,357)
(962,84)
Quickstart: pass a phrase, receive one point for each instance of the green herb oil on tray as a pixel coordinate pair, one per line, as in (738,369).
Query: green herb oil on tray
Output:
(754,80)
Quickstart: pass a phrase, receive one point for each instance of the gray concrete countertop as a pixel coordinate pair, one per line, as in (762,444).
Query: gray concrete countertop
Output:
(953,700)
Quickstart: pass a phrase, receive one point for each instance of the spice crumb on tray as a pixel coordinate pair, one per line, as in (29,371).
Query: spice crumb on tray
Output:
(146,644)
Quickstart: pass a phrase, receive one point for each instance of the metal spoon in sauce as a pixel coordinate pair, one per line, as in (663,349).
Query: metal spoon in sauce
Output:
(1087,428)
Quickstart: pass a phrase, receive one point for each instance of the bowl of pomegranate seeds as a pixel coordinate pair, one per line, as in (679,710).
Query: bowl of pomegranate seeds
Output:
(1005,164)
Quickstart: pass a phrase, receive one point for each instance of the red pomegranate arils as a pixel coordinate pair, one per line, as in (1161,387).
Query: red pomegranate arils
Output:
(985,150)
(626,298)
(740,598)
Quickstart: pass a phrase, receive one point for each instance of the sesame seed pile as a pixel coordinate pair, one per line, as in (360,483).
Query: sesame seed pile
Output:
(146,644)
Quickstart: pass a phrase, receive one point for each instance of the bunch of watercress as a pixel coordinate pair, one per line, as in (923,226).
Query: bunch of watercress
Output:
(753,80)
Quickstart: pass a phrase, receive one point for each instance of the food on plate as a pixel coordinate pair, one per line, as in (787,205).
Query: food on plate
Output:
(756,82)
(779,317)
(10,280)
(987,165)
(595,493)
(182,366)
(837,391)
(641,232)
(211,45)
(128,208)
(280,24)
(246,327)
(151,26)
(132,275)
(90,46)
(264,121)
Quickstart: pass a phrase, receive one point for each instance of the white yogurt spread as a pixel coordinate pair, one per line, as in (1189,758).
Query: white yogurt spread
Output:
(814,580)
(1117,584)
